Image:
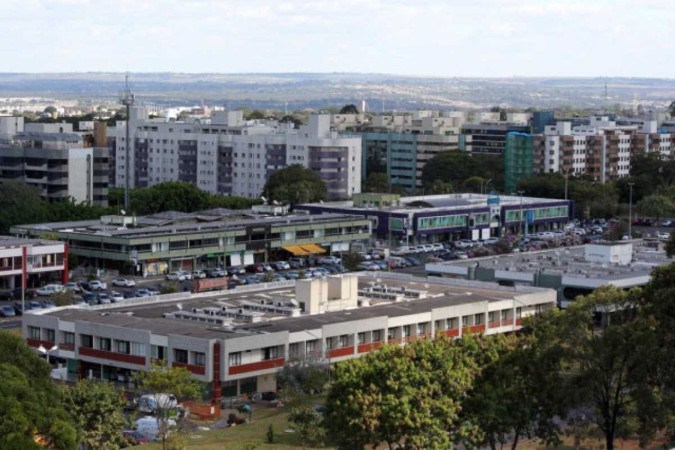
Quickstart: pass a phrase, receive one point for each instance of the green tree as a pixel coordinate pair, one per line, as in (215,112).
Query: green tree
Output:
(409,396)
(670,245)
(307,424)
(655,206)
(30,404)
(349,109)
(441,187)
(168,196)
(20,204)
(606,366)
(306,376)
(166,380)
(377,182)
(453,167)
(295,184)
(351,260)
(97,407)
(473,184)
(256,114)
(291,118)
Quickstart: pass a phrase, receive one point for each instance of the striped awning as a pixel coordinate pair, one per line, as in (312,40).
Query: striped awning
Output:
(297,250)
(313,249)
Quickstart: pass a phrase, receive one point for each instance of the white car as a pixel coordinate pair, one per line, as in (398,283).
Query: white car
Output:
(198,274)
(116,297)
(330,260)
(50,289)
(176,276)
(124,282)
(659,235)
(97,285)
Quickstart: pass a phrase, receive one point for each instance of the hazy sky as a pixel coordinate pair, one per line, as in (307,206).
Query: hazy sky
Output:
(417,37)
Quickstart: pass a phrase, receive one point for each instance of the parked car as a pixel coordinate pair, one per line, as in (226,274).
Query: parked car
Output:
(116,297)
(297,263)
(176,276)
(198,274)
(280,265)
(124,282)
(142,292)
(97,285)
(152,290)
(330,260)
(437,247)
(45,304)
(103,299)
(662,235)
(50,289)
(267,267)
(214,273)
(236,270)
(186,274)
(72,287)
(255,268)
(7,311)
(89,297)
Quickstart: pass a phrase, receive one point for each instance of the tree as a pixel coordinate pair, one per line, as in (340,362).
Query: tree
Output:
(306,422)
(291,118)
(169,196)
(516,394)
(97,407)
(671,109)
(295,184)
(606,366)
(20,203)
(31,406)
(473,184)
(166,380)
(377,182)
(670,245)
(655,206)
(307,376)
(351,260)
(349,109)
(409,396)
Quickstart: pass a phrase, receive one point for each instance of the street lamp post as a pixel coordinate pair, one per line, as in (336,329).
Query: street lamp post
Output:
(521,225)
(46,352)
(488,181)
(567,175)
(630,210)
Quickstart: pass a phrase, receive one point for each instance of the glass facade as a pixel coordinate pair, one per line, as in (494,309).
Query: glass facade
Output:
(436,222)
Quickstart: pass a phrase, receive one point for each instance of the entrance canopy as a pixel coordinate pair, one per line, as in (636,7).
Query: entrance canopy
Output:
(297,250)
(313,249)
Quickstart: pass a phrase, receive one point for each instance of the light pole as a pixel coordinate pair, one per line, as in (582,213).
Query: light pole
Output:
(567,175)
(630,210)
(46,352)
(521,226)
(488,181)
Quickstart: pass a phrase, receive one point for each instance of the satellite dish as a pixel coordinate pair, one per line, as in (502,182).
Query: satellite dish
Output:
(123,212)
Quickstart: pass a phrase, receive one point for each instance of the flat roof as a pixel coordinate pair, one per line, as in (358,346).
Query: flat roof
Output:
(13,241)
(568,262)
(442,202)
(151,316)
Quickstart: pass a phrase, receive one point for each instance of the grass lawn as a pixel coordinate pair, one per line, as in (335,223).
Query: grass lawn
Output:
(236,437)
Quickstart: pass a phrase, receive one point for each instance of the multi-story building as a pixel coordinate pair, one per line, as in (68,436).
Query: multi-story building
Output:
(440,218)
(215,238)
(401,145)
(489,138)
(36,261)
(54,159)
(518,154)
(231,156)
(237,341)
(601,148)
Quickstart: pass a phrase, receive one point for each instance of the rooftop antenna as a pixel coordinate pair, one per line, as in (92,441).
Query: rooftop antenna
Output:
(127,99)
(604,105)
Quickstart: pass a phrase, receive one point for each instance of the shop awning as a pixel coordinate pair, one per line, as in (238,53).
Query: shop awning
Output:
(313,249)
(297,250)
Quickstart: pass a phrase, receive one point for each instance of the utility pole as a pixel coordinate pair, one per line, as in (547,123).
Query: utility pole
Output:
(521,213)
(127,99)
(630,210)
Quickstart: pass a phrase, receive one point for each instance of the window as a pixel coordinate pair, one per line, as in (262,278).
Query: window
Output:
(377,336)
(420,329)
(478,318)
(362,338)
(271,353)
(519,312)
(105,344)
(122,347)
(180,355)
(391,334)
(234,359)
(293,349)
(86,340)
(406,331)
(466,321)
(158,352)
(311,346)
(504,315)
(49,334)
(200,359)
(137,349)
(34,332)
(69,338)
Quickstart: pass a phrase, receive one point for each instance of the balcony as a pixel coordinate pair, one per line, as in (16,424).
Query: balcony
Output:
(340,352)
(113,356)
(35,343)
(68,347)
(453,332)
(256,366)
(519,322)
(474,329)
(365,348)
(197,370)
(495,324)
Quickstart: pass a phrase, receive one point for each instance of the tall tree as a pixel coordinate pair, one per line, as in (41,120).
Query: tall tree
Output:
(97,407)
(349,109)
(655,206)
(20,203)
(295,184)
(31,408)
(162,380)
(409,396)
(377,182)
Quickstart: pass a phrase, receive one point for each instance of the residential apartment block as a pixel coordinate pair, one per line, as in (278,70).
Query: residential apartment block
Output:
(35,261)
(228,155)
(51,157)
(237,341)
(599,148)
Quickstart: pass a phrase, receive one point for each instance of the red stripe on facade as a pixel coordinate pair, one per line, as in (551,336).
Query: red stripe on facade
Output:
(253,367)
(338,352)
(197,370)
(37,342)
(113,356)
(363,348)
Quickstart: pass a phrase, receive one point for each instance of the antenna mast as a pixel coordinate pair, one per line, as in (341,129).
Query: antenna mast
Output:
(127,99)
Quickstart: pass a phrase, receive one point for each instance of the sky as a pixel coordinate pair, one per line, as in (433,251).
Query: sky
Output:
(448,38)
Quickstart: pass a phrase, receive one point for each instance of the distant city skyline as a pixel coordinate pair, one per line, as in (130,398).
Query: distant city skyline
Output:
(481,38)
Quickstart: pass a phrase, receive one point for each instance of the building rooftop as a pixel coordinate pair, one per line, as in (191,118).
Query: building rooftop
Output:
(274,309)
(12,241)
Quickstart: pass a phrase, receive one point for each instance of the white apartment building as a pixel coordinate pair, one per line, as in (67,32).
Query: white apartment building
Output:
(601,148)
(231,156)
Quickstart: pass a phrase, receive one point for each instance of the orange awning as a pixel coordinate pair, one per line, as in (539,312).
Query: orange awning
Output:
(313,249)
(297,250)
